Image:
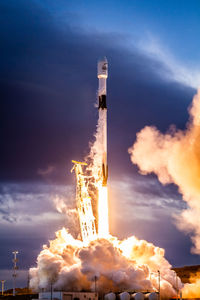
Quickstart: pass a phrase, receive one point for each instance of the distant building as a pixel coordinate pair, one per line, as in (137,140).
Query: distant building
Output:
(68,296)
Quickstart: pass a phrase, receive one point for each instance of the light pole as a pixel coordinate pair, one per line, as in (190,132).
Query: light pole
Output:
(176,284)
(159,283)
(95,284)
(2,286)
(51,289)
(14,270)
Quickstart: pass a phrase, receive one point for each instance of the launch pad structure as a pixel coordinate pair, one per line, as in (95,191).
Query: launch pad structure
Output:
(84,206)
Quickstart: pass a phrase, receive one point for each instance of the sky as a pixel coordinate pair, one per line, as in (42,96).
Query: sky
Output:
(48,88)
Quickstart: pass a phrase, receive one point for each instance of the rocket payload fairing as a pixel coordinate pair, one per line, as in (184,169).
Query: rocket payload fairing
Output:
(102,74)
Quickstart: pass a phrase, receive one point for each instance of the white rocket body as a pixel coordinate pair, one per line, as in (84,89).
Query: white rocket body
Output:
(102,74)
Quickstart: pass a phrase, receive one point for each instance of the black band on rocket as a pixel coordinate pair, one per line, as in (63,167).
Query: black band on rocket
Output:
(102,102)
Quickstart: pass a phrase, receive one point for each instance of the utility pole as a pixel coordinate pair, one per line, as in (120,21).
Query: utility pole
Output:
(15,260)
(151,273)
(28,281)
(95,284)
(2,286)
(176,282)
(177,286)
(159,283)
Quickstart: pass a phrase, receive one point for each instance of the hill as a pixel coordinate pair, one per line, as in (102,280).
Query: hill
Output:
(187,272)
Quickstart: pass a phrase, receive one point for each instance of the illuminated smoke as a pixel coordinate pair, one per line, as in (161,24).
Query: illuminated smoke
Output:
(192,289)
(117,265)
(175,158)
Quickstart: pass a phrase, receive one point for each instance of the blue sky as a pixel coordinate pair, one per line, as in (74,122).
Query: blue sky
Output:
(175,24)
(167,30)
(48,90)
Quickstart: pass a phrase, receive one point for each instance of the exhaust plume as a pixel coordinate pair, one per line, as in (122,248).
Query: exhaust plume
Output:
(175,158)
(192,289)
(117,265)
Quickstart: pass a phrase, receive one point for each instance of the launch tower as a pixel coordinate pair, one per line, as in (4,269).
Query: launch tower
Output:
(86,217)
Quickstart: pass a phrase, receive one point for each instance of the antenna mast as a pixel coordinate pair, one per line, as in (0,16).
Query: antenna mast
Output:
(15,260)
(2,286)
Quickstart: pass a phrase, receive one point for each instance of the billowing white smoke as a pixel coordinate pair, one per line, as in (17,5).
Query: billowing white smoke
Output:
(192,289)
(117,265)
(175,158)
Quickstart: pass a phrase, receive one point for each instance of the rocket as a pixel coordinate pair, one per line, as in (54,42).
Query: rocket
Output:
(102,74)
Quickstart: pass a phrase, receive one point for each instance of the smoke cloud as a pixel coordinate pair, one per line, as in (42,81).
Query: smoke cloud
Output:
(192,289)
(116,265)
(175,158)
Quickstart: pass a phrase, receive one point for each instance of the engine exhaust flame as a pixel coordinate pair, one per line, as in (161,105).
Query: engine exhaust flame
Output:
(103,226)
(99,174)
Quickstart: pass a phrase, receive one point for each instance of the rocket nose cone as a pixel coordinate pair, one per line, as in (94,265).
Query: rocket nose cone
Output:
(102,68)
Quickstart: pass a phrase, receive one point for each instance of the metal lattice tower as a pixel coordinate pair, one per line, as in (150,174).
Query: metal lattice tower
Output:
(84,206)
(15,260)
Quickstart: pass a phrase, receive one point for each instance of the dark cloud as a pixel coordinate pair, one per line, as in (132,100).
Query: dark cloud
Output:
(28,219)
(21,203)
(151,187)
(48,90)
